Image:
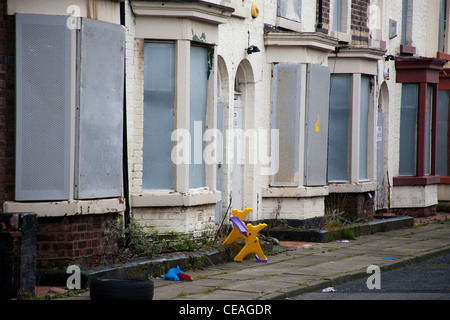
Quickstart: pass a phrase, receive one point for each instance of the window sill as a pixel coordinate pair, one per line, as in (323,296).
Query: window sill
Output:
(297,192)
(193,197)
(404,49)
(67,208)
(442,55)
(341,36)
(289,24)
(444,180)
(416,181)
(352,187)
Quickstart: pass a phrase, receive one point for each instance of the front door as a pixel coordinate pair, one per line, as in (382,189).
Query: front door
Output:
(238,164)
(219,171)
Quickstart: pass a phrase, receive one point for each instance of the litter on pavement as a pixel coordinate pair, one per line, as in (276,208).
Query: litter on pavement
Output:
(175,274)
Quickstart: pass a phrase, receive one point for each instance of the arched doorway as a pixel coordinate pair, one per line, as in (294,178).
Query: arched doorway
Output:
(242,189)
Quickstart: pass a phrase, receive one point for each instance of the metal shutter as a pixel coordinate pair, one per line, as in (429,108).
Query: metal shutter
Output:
(316,139)
(285,118)
(43,107)
(99,135)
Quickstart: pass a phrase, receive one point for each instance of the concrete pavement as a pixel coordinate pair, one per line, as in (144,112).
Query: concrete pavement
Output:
(304,267)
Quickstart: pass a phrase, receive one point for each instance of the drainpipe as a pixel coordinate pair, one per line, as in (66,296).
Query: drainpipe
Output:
(126,214)
(320,22)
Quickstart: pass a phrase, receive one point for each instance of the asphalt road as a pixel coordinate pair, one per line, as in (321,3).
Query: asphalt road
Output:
(427,280)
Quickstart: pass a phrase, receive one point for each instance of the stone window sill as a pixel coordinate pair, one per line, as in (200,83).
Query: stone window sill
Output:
(166,198)
(416,180)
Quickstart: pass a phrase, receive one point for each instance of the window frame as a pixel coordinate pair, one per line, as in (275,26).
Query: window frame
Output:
(182,115)
(344,21)
(280,13)
(330,128)
(443,26)
(421,174)
(354,142)
(194,167)
(146,174)
(404,169)
(406,43)
(337,13)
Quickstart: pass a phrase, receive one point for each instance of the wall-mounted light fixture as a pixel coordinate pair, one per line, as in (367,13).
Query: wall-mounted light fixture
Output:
(251,48)
(389,57)
(386,74)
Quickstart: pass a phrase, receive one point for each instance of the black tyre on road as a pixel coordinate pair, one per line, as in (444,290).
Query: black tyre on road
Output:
(121,289)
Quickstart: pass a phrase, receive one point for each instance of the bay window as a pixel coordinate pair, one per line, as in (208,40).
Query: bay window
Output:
(418,120)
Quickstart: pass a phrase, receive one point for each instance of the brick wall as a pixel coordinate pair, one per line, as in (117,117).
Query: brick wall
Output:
(7,105)
(81,240)
(300,208)
(359,17)
(190,221)
(358,20)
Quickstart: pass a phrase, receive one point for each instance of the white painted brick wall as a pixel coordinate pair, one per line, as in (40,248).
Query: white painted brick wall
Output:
(135,105)
(414,196)
(184,220)
(293,208)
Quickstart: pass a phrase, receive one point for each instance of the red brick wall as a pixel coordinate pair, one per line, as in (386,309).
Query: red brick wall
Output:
(359,16)
(7,105)
(80,240)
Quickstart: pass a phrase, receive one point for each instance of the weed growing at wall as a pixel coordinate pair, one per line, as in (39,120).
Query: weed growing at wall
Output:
(146,242)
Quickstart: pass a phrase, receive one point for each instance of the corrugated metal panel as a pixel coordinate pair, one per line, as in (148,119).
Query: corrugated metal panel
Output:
(316,140)
(100,110)
(285,117)
(43,107)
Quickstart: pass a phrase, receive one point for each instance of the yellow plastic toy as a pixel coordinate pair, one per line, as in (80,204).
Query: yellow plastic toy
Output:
(248,233)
